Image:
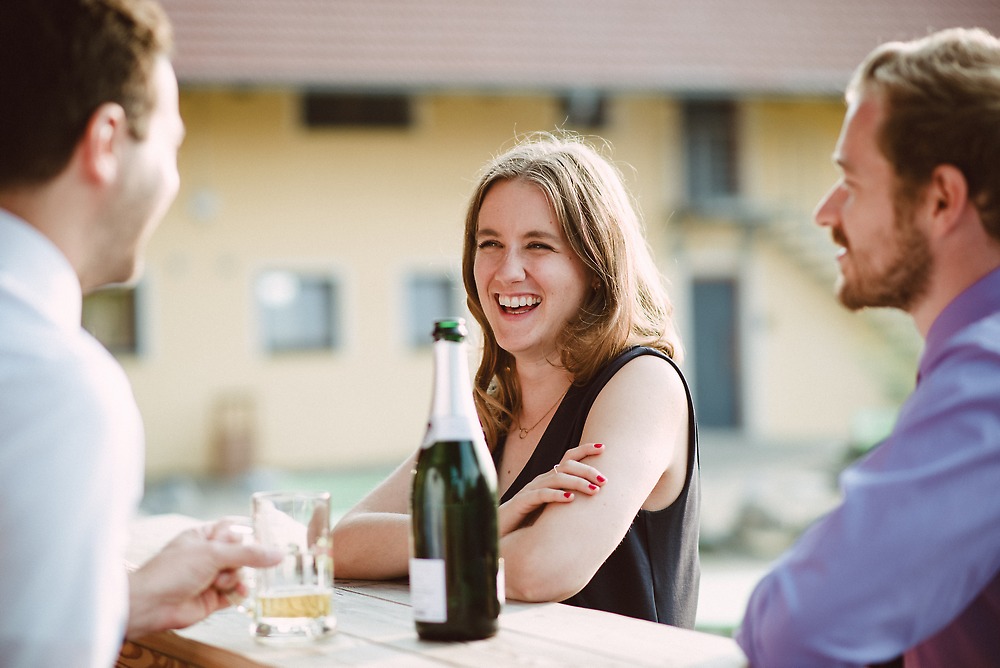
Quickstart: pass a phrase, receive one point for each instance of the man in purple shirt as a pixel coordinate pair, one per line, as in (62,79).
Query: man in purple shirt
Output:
(907,568)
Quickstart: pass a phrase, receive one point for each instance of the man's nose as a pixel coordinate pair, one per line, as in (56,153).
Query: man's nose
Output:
(827,212)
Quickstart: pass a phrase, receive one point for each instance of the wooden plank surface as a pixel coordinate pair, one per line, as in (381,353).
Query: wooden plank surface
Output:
(375,628)
(168,650)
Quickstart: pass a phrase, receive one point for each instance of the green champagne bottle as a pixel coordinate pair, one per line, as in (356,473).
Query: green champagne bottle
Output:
(456,585)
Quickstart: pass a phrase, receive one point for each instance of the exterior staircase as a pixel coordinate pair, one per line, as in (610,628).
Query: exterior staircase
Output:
(809,247)
(794,234)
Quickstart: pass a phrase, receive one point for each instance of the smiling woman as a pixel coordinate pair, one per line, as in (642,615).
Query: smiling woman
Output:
(586,413)
(529,281)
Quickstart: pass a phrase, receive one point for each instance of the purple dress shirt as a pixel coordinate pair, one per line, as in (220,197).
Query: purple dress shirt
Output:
(909,563)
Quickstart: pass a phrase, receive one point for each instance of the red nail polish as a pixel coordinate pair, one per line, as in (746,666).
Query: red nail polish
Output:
(598,445)
(568,495)
(592,486)
(601,478)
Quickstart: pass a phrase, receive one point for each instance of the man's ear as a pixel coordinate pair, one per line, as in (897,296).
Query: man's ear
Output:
(947,196)
(101,143)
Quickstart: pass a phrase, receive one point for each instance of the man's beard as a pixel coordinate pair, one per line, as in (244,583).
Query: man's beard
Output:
(903,281)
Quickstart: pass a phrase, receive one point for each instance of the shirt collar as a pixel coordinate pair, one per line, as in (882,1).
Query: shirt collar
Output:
(979,300)
(34,270)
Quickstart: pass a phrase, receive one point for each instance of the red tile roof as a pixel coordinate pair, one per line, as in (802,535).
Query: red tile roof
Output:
(675,46)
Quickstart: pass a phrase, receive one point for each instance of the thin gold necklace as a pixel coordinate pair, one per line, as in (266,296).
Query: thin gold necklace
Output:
(523,433)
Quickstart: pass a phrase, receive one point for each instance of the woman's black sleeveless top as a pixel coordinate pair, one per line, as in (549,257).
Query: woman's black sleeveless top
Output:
(653,574)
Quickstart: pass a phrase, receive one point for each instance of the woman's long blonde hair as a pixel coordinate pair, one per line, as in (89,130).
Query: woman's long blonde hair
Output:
(628,306)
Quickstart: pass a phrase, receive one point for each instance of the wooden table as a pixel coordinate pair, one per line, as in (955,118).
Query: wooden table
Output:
(375,628)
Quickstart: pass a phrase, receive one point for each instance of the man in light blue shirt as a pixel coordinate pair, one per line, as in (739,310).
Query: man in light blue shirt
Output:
(907,569)
(89,132)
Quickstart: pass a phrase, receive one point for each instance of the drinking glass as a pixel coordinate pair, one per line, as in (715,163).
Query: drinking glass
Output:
(294,599)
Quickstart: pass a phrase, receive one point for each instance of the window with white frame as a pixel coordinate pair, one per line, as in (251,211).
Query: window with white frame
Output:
(297,311)
(585,109)
(710,139)
(429,297)
(111,316)
(365,110)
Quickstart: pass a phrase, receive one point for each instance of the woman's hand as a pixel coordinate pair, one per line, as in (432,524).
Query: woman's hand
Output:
(559,485)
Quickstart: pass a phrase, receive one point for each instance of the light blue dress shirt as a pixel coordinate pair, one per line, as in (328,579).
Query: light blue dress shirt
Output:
(71,466)
(909,562)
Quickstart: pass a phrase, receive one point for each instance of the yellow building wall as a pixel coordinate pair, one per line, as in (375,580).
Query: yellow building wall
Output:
(811,370)
(834,366)
(261,191)
(369,206)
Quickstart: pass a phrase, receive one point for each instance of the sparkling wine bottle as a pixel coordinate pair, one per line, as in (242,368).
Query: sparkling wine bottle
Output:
(456,585)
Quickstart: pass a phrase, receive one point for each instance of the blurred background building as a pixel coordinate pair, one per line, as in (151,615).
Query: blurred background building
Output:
(284,319)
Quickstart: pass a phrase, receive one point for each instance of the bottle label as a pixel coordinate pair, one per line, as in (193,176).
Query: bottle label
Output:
(427,591)
(501,583)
